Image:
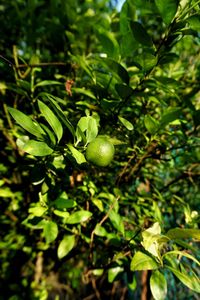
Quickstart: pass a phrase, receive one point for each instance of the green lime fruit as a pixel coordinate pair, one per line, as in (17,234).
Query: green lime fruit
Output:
(100,151)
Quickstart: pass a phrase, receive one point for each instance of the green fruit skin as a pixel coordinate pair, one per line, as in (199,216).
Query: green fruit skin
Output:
(100,152)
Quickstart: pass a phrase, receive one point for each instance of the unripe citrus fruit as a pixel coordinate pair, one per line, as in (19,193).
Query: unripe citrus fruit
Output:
(100,151)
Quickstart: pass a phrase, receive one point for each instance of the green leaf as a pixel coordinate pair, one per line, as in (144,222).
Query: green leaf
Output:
(158,285)
(48,82)
(63,202)
(126,123)
(37,211)
(50,231)
(113,272)
(92,130)
(142,261)
(79,217)
(181,254)
(191,281)
(117,68)
(66,245)
(51,119)
(79,157)
(181,233)
(145,61)
(140,34)
(37,148)
(151,124)
(128,44)
(170,115)
(167,9)
(109,43)
(100,231)
(54,102)
(194,22)
(124,90)
(26,122)
(117,221)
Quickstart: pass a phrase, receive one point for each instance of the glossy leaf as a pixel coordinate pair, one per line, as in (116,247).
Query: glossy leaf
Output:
(79,217)
(113,272)
(78,156)
(140,34)
(51,119)
(158,285)
(37,211)
(47,82)
(26,122)
(126,123)
(54,102)
(66,245)
(142,261)
(50,231)
(37,148)
(167,9)
(151,124)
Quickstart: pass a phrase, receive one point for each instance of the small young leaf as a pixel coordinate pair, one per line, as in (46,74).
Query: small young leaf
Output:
(158,285)
(79,217)
(126,123)
(66,245)
(51,119)
(50,231)
(79,157)
(113,272)
(37,211)
(26,122)
(37,148)
(142,261)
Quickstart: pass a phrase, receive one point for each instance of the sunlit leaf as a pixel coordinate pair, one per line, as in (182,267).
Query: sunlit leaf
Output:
(187,278)
(26,122)
(126,123)
(66,245)
(37,148)
(50,231)
(51,119)
(158,285)
(113,272)
(79,157)
(79,217)
(142,261)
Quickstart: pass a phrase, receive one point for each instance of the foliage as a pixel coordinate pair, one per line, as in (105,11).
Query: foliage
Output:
(72,70)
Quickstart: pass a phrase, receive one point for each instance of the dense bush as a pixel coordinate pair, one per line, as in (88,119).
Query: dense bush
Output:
(69,72)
